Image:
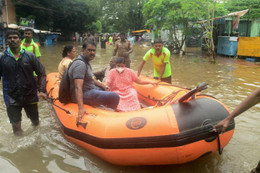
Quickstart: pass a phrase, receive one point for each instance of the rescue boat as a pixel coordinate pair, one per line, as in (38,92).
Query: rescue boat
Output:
(175,126)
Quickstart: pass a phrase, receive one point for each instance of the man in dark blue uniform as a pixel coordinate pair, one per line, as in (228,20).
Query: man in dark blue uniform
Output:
(19,85)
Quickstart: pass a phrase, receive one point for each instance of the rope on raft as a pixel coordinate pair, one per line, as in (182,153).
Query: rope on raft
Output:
(52,100)
(164,101)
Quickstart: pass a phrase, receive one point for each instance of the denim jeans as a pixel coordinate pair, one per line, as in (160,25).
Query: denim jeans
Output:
(96,97)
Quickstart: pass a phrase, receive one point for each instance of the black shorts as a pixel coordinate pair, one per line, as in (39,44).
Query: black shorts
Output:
(167,79)
(15,112)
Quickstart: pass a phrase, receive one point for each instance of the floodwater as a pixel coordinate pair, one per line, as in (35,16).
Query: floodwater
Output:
(44,149)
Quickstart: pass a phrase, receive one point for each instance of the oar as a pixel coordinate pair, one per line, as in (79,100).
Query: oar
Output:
(199,88)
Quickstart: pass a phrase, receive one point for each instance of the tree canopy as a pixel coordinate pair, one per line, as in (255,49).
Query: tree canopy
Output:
(252,5)
(177,16)
(121,15)
(83,15)
(124,15)
(59,15)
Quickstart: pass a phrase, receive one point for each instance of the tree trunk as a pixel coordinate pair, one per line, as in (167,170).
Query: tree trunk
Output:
(211,47)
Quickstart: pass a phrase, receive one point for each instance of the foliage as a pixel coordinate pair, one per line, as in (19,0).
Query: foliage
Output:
(238,5)
(83,15)
(121,15)
(172,15)
(59,15)
(176,16)
(98,26)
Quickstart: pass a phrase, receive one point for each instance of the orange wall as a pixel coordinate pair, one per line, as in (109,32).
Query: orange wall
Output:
(10,12)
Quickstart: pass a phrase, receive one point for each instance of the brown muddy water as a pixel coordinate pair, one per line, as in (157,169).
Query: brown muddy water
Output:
(44,149)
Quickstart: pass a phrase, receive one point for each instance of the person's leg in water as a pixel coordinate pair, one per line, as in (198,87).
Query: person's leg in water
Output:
(32,113)
(17,127)
(15,117)
(127,62)
(257,169)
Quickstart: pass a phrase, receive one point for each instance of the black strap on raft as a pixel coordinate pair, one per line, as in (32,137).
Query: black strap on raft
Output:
(220,150)
(52,100)
(65,110)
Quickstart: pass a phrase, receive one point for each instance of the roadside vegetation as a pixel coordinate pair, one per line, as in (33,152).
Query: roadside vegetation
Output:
(180,17)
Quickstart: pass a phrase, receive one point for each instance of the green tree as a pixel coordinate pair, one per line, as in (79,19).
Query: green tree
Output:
(121,15)
(98,26)
(238,5)
(173,15)
(59,15)
(176,16)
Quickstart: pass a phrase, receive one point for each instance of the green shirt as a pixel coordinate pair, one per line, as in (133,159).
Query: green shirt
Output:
(111,39)
(32,47)
(158,62)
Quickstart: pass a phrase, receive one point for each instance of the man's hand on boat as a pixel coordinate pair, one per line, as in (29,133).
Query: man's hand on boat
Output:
(222,125)
(42,95)
(145,82)
(154,83)
(81,113)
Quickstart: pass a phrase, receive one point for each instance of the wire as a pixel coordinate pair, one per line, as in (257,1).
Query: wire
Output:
(34,6)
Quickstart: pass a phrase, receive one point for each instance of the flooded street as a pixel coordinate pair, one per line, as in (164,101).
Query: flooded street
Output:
(44,149)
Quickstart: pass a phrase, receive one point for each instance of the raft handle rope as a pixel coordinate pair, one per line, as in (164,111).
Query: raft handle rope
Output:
(163,84)
(161,102)
(169,98)
(220,150)
(149,97)
(167,84)
(52,100)
(219,145)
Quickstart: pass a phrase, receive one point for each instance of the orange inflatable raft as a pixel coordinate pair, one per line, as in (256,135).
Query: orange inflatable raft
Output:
(174,128)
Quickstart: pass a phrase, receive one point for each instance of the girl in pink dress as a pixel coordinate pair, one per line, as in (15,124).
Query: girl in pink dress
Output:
(120,80)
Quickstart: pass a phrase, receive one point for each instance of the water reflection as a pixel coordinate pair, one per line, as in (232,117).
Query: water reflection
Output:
(45,149)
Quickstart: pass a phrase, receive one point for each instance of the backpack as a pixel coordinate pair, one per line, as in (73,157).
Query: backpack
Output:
(64,90)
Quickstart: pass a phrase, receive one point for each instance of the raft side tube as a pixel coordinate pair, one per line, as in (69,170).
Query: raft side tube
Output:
(198,112)
(173,140)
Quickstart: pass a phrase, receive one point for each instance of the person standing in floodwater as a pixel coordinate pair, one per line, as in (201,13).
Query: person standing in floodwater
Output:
(123,48)
(29,45)
(131,39)
(19,84)
(160,56)
(103,41)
